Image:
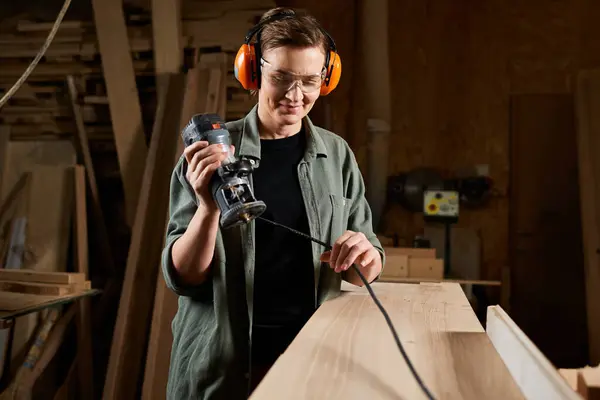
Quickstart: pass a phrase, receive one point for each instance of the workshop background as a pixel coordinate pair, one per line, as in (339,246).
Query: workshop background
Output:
(481,92)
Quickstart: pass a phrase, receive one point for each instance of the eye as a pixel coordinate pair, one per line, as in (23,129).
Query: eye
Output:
(312,81)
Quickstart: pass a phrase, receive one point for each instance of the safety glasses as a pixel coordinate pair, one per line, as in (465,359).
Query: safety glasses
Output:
(285,80)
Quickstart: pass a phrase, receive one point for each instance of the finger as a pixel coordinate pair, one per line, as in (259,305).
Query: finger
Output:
(335,249)
(326,256)
(357,250)
(208,171)
(367,258)
(218,157)
(196,173)
(345,249)
(350,250)
(190,150)
(205,152)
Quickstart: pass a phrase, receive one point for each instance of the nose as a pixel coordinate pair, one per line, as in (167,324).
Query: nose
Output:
(294,93)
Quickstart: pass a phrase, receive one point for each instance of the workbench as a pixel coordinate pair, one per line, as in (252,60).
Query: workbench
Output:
(346,351)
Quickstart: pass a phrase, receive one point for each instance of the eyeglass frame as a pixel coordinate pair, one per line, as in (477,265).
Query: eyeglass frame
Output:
(297,80)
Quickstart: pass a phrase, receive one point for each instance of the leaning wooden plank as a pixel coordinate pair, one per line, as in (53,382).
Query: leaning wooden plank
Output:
(168,59)
(124,103)
(535,375)
(24,371)
(49,218)
(197,99)
(135,307)
(587,94)
(45,352)
(83,321)
(83,152)
(346,350)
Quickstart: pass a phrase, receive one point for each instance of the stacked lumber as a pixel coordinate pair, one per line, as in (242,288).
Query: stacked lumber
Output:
(43,260)
(42,283)
(414,263)
(38,109)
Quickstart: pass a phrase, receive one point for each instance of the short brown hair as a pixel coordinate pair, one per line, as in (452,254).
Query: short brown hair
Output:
(302,30)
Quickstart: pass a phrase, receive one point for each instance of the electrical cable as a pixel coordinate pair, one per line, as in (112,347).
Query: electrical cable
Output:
(38,56)
(375,299)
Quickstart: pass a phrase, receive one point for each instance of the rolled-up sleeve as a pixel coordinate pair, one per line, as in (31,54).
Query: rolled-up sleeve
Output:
(182,207)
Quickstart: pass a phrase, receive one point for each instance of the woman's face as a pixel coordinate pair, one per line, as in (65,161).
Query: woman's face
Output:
(291,80)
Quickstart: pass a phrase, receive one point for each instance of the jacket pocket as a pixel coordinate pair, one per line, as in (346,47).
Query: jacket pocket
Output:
(340,210)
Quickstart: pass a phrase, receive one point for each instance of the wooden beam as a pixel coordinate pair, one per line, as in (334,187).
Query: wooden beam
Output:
(137,298)
(124,104)
(533,373)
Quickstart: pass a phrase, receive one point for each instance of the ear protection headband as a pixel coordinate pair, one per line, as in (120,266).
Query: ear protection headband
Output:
(247,60)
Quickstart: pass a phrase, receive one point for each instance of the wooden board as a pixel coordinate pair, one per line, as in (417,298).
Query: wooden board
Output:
(199,98)
(124,104)
(346,350)
(137,298)
(534,374)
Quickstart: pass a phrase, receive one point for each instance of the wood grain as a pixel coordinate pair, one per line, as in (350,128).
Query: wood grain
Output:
(346,350)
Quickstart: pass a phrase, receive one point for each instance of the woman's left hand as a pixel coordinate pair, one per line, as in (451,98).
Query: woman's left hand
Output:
(351,247)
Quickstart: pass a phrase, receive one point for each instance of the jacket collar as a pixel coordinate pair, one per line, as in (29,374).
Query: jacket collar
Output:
(250,140)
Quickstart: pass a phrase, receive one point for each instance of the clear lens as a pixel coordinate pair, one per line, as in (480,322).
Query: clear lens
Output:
(284,80)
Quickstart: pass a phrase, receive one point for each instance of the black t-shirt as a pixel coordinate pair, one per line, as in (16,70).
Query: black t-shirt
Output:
(283,275)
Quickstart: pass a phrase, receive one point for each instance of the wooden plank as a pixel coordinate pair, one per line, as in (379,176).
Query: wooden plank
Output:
(135,307)
(40,357)
(124,104)
(588,136)
(24,275)
(168,55)
(197,97)
(49,218)
(535,375)
(43,288)
(167,42)
(83,151)
(21,381)
(346,349)
(83,323)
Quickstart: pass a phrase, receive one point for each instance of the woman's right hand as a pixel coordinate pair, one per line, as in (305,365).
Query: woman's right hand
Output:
(203,160)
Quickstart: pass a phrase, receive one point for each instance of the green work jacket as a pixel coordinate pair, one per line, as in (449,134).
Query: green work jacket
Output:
(210,356)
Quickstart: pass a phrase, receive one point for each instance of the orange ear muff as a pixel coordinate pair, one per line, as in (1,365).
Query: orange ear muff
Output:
(244,67)
(333,75)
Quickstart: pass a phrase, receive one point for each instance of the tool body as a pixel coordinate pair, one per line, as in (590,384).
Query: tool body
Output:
(230,184)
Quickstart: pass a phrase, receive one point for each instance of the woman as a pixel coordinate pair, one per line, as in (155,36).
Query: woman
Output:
(245,292)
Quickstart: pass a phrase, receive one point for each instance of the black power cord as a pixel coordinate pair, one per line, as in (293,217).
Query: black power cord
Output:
(375,299)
